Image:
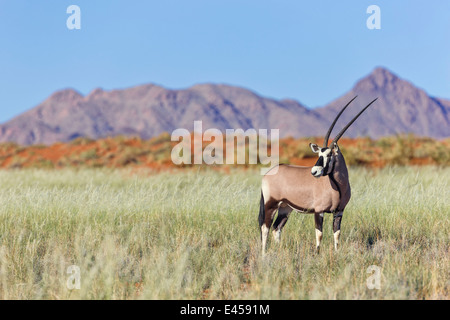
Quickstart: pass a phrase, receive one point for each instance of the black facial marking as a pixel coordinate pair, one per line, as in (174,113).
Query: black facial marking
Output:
(319,162)
(325,170)
(323,149)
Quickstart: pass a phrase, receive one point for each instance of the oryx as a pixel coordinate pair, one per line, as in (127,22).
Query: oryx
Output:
(323,188)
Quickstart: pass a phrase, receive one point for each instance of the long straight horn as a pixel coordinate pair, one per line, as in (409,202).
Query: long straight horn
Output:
(350,123)
(327,136)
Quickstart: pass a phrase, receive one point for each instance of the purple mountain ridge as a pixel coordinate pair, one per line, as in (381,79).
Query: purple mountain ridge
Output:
(401,108)
(149,110)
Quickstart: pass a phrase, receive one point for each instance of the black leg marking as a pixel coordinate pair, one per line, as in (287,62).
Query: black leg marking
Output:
(337,218)
(337,221)
(265,227)
(318,218)
(283,215)
(281,219)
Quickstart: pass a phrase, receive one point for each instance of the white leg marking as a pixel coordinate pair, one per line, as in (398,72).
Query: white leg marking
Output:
(318,238)
(276,235)
(336,239)
(264,233)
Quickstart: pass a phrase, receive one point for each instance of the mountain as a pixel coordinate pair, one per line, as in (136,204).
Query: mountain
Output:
(401,108)
(149,110)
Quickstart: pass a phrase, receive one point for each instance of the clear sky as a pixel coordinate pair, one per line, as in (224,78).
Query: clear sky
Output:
(311,51)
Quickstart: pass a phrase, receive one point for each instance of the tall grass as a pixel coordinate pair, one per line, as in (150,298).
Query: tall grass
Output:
(194,235)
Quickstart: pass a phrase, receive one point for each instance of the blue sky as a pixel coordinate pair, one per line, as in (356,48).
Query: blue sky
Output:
(311,51)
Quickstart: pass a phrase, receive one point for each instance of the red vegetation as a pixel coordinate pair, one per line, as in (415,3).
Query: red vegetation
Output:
(155,153)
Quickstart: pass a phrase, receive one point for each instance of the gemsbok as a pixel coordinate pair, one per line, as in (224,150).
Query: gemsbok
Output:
(323,188)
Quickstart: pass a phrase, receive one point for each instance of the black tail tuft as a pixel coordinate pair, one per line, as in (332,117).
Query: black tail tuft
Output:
(262,212)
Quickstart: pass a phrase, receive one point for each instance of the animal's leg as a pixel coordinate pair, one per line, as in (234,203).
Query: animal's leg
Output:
(337,228)
(318,217)
(283,214)
(265,227)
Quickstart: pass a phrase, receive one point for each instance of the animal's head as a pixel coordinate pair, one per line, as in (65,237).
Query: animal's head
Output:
(327,154)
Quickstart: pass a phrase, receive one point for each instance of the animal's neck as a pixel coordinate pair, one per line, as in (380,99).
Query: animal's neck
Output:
(340,173)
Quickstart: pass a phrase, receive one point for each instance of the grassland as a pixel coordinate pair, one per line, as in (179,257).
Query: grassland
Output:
(194,235)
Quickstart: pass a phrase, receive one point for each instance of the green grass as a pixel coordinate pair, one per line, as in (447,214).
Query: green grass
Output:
(194,235)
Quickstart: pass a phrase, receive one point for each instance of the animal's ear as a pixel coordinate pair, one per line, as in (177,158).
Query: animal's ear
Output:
(314,147)
(335,148)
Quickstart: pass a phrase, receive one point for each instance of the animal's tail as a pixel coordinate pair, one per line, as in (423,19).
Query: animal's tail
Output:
(262,212)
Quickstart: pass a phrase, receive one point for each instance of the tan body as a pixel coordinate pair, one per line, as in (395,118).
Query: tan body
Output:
(319,189)
(294,187)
